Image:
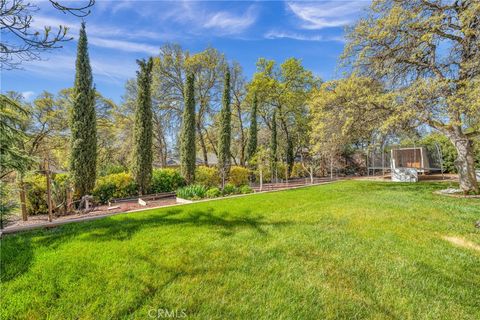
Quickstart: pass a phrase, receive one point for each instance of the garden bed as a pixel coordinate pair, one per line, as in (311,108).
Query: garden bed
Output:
(118,207)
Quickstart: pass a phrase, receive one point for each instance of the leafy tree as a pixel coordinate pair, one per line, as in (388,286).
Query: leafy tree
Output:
(208,67)
(7,205)
(286,89)
(273,146)
(83,156)
(187,136)
(12,156)
(427,51)
(240,116)
(142,158)
(224,134)
(253,130)
(341,115)
(21,43)
(168,75)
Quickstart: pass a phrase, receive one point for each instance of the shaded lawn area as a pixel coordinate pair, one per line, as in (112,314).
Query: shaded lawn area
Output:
(351,250)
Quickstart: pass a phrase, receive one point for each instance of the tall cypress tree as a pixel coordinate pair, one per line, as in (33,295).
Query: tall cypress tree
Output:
(187,135)
(224,135)
(273,145)
(142,159)
(83,157)
(290,156)
(252,140)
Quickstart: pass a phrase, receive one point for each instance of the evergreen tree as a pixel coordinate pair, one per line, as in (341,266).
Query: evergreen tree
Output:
(83,158)
(187,136)
(273,146)
(143,132)
(252,140)
(290,156)
(224,135)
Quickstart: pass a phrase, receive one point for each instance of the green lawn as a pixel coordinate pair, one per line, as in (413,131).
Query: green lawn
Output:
(349,250)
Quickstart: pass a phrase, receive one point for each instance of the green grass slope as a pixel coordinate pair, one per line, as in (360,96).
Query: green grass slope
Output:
(348,250)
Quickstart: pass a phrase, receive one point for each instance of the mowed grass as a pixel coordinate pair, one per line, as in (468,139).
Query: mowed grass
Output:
(348,250)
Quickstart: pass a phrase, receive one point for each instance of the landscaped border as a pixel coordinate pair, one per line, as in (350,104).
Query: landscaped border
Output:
(54,224)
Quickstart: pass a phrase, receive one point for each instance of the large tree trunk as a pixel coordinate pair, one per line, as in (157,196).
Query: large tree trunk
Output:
(465,163)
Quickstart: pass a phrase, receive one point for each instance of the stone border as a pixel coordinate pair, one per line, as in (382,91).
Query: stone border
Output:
(53,224)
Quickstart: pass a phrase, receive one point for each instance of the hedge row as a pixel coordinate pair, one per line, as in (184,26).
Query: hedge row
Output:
(122,185)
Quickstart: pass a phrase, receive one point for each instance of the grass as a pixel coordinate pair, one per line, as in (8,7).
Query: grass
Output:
(349,250)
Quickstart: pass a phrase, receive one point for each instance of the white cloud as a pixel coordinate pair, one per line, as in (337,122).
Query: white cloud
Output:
(124,45)
(62,66)
(298,36)
(28,95)
(106,31)
(326,14)
(229,23)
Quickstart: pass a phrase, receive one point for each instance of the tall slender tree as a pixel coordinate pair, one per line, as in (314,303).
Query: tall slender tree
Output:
(252,140)
(187,136)
(83,158)
(273,146)
(225,131)
(142,159)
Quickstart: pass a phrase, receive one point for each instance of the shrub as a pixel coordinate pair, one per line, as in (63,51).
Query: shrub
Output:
(111,169)
(213,193)
(267,175)
(166,180)
(192,192)
(238,176)
(207,176)
(7,204)
(117,185)
(298,171)
(60,185)
(36,187)
(36,193)
(245,189)
(229,189)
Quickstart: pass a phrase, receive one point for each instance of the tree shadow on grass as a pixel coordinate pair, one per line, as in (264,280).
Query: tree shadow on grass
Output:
(222,222)
(16,256)
(17,251)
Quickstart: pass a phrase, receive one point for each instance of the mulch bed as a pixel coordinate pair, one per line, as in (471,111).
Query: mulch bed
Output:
(17,222)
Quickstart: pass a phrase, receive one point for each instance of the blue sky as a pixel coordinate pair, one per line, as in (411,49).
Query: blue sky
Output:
(122,31)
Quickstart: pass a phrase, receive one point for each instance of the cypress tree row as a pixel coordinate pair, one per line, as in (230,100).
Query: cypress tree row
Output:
(83,140)
(187,135)
(273,146)
(252,140)
(143,131)
(224,135)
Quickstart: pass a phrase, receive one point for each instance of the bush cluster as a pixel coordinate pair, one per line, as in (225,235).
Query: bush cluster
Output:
(36,193)
(116,185)
(122,185)
(198,191)
(207,176)
(166,180)
(238,176)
